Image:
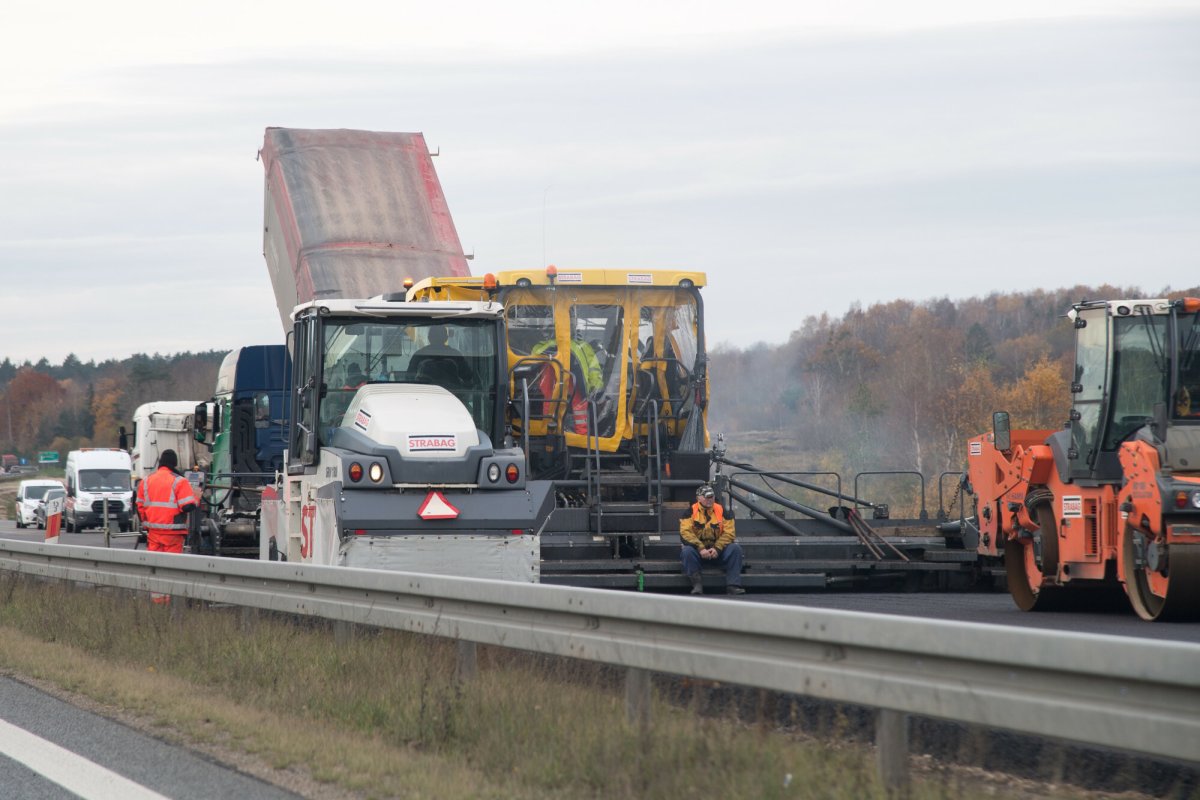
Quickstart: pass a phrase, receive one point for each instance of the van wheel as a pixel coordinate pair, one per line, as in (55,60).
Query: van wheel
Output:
(20,524)
(67,524)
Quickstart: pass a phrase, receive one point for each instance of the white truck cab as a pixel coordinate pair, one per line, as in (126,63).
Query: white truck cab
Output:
(98,478)
(163,425)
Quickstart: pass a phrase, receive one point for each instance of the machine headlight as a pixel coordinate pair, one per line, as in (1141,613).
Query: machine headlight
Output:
(375,471)
(512,473)
(1196,499)
(356,472)
(493,472)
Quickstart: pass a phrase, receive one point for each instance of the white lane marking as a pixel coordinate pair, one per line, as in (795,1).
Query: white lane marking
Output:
(73,772)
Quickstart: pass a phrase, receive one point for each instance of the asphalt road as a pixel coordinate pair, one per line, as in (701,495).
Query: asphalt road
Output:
(89,538)
(47,745)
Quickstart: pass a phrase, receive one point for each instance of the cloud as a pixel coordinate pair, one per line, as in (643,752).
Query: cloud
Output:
(803,174)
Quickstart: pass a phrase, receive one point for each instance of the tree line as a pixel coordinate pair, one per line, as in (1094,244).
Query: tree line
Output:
(899,385)
(902,385)
(75,404)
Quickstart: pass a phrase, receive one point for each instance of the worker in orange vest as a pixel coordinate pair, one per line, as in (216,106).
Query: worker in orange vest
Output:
(164,497)
(709,536)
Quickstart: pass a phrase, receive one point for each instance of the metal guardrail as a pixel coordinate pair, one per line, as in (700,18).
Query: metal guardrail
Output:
(1141,696)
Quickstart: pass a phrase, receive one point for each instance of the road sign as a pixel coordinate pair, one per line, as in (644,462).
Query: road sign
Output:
(50,457)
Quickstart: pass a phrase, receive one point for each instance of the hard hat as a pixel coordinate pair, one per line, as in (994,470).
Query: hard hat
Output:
(705,490)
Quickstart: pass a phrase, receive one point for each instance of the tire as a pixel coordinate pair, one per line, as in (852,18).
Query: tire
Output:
(20,524)
(68,526)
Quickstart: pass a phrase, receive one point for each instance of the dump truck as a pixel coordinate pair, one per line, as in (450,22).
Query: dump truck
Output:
(390,461)
(350,214)
(1112,500)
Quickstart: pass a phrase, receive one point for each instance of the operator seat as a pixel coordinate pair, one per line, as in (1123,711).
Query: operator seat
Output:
(445,371)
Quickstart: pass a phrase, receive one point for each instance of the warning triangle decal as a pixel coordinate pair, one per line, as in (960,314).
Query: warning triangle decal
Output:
(436,507)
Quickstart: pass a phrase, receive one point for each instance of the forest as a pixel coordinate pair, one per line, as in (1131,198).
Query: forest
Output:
(901,385)
(63,407)
(894,386)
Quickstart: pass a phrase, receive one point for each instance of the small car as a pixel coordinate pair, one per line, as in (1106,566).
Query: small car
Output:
(58,493)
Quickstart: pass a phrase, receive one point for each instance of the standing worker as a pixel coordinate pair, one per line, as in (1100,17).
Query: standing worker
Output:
(164,497)
(708,536)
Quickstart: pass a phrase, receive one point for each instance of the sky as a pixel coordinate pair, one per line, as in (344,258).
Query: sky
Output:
(806,158)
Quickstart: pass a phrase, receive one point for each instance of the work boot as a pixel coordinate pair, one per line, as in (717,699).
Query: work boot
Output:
(697,584)
(734,589)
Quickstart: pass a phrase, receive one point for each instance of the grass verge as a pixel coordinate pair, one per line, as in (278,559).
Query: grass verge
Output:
(380,714)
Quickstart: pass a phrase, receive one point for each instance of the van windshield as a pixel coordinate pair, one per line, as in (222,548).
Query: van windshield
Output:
(104,480)
(36,492)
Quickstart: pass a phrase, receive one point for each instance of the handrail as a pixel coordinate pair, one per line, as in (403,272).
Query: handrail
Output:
(1089,688)
(594,491)
(750,469)
(658,465)
(779,499)
(924,511)
(525,421)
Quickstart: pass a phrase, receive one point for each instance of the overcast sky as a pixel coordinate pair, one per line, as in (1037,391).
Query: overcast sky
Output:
(805,159)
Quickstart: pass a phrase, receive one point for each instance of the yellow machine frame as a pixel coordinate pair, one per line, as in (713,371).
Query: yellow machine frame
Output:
(662,296)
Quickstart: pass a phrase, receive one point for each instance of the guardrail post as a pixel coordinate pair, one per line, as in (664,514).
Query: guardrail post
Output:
(248,619)
(891,741)
(468,665)
(637,696)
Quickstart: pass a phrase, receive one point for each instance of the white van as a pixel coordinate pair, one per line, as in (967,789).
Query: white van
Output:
(29,494)
(96,476)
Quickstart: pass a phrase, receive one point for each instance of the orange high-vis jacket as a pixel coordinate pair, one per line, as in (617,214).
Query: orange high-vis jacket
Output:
(161,498)
(703,529)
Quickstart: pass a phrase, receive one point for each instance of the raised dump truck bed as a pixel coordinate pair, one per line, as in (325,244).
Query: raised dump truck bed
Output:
(351,214)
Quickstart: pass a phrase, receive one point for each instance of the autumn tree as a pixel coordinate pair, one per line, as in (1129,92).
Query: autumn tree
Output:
(1041,398)
(30,398)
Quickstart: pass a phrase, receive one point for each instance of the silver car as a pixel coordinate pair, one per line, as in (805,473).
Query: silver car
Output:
(40,512)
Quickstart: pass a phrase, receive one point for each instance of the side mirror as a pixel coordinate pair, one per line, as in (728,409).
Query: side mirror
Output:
(262,410)
(1001,432)
(122,438)
(200,417)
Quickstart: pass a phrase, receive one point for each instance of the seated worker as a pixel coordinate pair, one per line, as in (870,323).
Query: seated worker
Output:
(451,360)
(582,355)
(584,378)
(708,536)
(354,376)
(438,335)
(1184,403)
